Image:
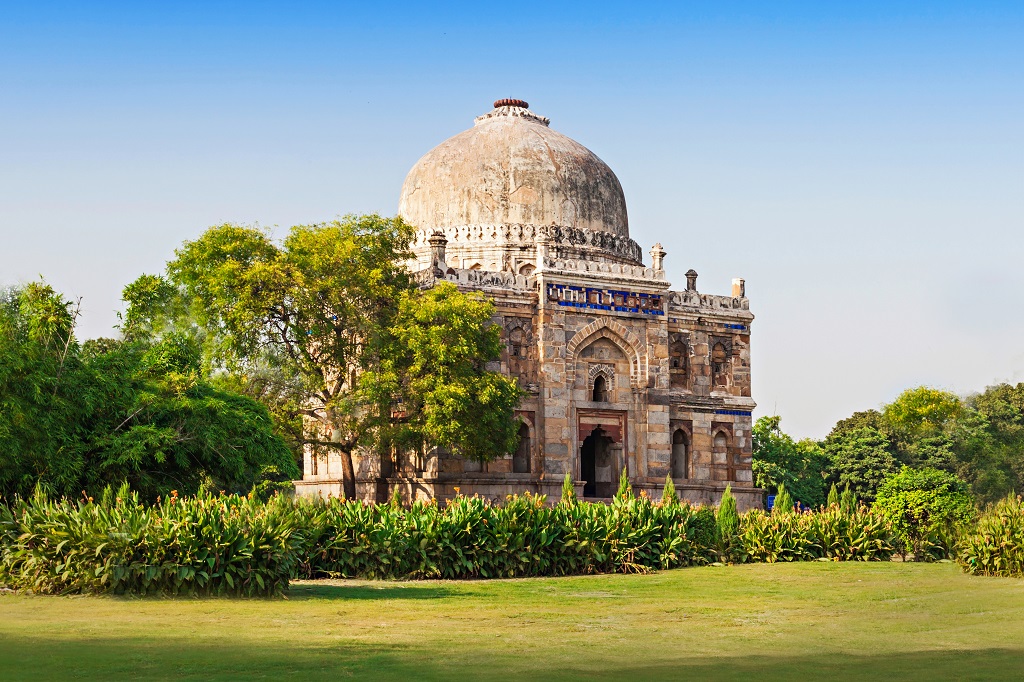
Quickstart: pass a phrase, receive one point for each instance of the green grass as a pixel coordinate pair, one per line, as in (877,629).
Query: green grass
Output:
(810,621)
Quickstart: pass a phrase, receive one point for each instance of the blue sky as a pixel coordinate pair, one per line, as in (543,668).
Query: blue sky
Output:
(862,167)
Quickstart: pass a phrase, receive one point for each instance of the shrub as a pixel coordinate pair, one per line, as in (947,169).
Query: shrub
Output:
(783,502)
(728,522)
(182,546)
(668,495)
(830,533)
(705,527)
(996,547)
(242,546)
(568,490)
(848,500)
(833,497)
(470,537)
(625,489)
(927,508)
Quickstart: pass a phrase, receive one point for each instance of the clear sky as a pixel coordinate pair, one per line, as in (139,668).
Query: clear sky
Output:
(860,164)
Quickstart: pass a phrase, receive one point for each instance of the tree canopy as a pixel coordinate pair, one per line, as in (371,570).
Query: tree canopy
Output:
(979,440)
(779,461)
(79,417)
(327,325)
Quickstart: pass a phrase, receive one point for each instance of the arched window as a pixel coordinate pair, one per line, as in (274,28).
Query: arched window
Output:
(679,365)
(600,389)
(680,455)
(720,454)
(521,458)
(719,365)
(516,343)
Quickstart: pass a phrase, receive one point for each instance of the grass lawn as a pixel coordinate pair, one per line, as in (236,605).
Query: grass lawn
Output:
(811,621)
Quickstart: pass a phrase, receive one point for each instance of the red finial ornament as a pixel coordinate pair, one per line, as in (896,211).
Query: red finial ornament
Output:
(508,102)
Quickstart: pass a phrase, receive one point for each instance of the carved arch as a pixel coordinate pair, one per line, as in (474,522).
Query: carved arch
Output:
(620,336)
(605,370)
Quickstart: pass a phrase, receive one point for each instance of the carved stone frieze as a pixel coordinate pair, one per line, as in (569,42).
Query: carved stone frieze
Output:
(693,299)
(526,235)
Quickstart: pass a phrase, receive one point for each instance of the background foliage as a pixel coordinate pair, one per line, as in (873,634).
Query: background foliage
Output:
(979,440)
(79,417)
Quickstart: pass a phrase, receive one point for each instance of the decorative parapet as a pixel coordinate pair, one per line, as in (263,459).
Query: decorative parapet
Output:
(638,272)
(482,279)
(693,299)
(525,234)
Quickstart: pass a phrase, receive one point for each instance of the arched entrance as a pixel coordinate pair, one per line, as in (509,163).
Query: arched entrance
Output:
(596,464)
(602,443)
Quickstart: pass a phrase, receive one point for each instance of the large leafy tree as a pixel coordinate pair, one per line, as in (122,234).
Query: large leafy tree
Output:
(314,306)
(779,461)
(79,417)
(434,371)
(860,457)
(991,452)
(43,391)
(925,426)
(311,319)
(979,439)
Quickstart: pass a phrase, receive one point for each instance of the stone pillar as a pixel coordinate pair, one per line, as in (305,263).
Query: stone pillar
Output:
(658,257)
(438,242)
(691,280)
(543,243)
(739,288)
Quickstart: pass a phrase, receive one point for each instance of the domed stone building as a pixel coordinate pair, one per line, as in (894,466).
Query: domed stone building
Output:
(619,370)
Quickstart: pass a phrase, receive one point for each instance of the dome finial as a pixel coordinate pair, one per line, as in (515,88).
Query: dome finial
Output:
(509,102)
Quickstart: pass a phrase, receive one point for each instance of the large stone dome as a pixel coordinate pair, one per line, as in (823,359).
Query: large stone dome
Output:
(496,188)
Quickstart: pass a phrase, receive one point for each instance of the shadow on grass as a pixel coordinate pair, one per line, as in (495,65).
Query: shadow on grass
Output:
(34,658)
(372,591)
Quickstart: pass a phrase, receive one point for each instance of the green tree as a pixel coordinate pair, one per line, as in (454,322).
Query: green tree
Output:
(925,426)
(668,494)
(43,392)
(435,366)
(164,427)
(314,307)
(625,490)
(779,461)
(919,502)
(106,412)
(923,411)
(991,446)
(568,490)
(861,458)
(328,328)
(833,496)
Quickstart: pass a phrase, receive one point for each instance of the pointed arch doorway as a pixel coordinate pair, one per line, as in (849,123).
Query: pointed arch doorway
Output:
(601,438)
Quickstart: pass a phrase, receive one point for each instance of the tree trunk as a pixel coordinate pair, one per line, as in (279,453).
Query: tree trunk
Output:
(348,470)
(348,475)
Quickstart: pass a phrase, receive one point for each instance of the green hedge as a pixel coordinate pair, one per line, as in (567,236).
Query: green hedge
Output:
(202,545)
(240,546)
(472,538)
(860,535)
(996,547)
